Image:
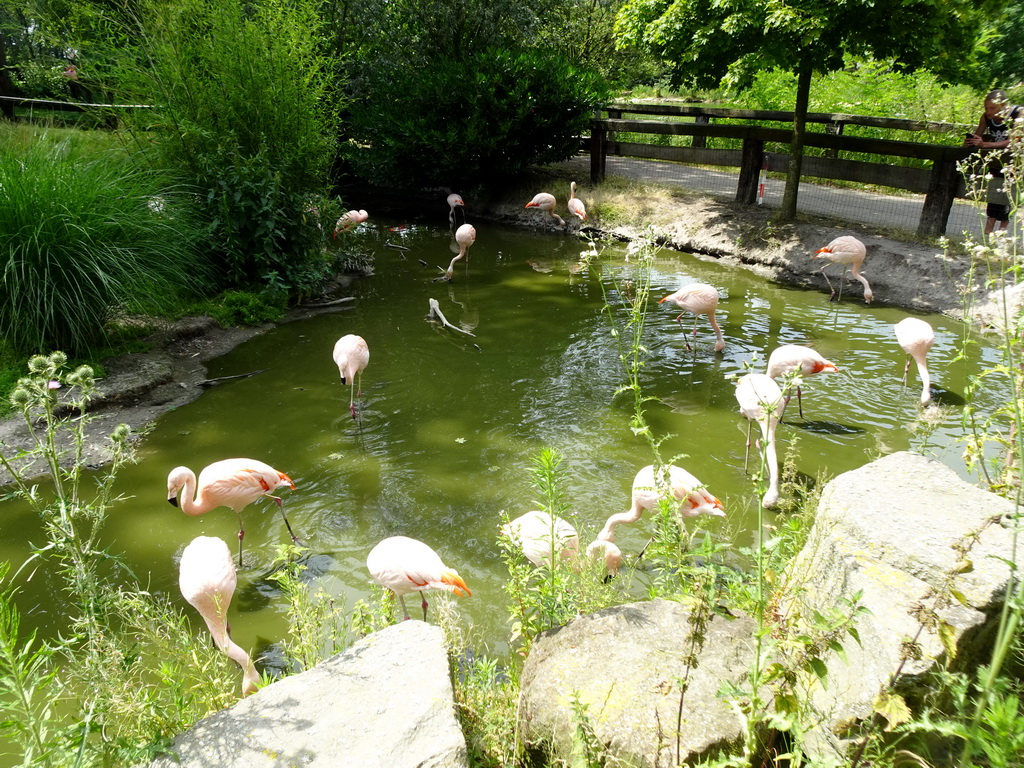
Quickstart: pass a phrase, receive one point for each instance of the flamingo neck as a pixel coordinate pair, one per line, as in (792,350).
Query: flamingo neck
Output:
(771,459)
(926,380)
(720,344)
(631,515)
(189,502)
(250,676)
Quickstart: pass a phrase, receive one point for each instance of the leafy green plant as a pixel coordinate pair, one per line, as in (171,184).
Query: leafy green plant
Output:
(514,108)
(84,237)
(243,308)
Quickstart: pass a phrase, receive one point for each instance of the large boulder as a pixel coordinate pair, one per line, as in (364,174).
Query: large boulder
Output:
(928,553)
(625,665)
(386,702)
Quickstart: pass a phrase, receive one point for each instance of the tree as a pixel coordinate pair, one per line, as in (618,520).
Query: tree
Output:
(1004,60)
(707,42)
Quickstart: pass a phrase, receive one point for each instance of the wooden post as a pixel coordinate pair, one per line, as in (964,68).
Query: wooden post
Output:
(750,171)
(939,199)
(701,142)
(598,151)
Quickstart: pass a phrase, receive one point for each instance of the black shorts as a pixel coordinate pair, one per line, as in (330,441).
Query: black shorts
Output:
(997,212)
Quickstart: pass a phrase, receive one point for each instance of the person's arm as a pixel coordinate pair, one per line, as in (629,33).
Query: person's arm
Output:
(975,139)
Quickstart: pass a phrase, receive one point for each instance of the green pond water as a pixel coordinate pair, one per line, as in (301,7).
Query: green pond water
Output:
(449,424)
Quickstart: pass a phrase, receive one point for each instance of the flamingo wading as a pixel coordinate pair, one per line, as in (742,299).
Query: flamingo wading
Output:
(760,400)
(351,355)
(848,251)
(233,483)
(465,236)
(916,337)
(406,565)
(576,207)
(207,579)
(651,486)
(698,299)
(545,201)
(349,221)
(796,360)
(539,536)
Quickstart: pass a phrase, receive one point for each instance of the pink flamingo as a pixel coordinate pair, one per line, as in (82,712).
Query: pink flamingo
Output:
(351,356)
(538,535)
(760,400)
(607,551)
(455,201)
(207,579)
(699,299)
(545,201)
(406,565)
(465,236)
(576,207)
(671,482)
(916,337)
(233,483)
(349,221)
(846,250)
(794,359)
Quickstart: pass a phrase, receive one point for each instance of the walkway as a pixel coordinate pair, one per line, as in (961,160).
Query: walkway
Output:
(890,211)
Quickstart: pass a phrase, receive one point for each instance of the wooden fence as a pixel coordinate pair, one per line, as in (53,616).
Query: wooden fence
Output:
(941,183)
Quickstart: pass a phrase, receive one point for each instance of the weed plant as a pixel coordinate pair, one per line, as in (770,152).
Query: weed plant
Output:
(127,673)
(83,237)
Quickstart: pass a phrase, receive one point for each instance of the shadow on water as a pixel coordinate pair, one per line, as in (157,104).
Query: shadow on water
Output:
(825,427)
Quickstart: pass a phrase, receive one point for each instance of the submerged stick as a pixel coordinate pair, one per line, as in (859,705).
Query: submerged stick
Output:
(435,311)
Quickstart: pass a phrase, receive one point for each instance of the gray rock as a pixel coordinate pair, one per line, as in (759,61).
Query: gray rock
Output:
(386,702)
(888,530)
(625,664)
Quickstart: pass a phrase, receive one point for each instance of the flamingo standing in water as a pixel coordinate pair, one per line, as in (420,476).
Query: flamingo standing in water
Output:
(349,221)
(233,483)
(539,535)
(792,359)
(576,207)
(650,488)
(406,565)
(916,337)
(760,400)
(845,250)
(465,236)
(545,201)
(351,356)
(207,579)
(455,201)
(698,299)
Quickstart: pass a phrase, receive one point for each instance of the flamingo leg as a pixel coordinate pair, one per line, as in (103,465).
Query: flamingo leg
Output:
(424,606)
(746,453)
(833,290)
(842,279)
(405,611)
(241,535)
(352,397)
(280,508)
(799,402)
(906,370)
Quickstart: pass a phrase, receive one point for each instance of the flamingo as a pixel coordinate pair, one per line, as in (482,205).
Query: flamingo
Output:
(465,236)
(207,579)
(351,356)
(845,250)
(760,400)
(406,565)
(233,483)
(609,552)
(796,359)
(648,490)
(576,207)
(349,221)
(545,201)
(536,532)
(455,201)
(916,337)
(699,299)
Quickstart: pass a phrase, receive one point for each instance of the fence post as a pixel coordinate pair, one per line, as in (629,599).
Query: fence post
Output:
(598,151)
(701,142)
(939,199)
(750,171)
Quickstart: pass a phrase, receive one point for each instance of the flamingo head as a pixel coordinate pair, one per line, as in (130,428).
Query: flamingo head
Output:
(175,482)
(607,550)
(455,583)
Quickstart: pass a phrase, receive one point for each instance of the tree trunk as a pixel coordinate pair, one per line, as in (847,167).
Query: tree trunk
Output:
(796,147)
(6,85)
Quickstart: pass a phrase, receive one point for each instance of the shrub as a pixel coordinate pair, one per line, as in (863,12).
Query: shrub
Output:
(461,121)
(82,238)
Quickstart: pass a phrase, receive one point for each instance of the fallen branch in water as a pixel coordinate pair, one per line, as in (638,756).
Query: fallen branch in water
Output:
(215,382)
(330,303)
(435,311)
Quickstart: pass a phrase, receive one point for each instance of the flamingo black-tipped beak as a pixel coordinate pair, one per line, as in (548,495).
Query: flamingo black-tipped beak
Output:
(172,500)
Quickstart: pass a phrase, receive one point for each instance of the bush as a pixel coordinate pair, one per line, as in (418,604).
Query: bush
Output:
(245,109)
(83,238)
(461,122)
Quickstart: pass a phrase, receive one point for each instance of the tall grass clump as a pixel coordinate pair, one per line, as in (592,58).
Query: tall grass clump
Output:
(83,237)
(126,673)
(244,108)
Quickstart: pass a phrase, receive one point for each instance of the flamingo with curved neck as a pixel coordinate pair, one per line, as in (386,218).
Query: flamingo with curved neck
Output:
(761,400)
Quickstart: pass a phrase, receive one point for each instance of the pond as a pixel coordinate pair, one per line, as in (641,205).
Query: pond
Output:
(449,424)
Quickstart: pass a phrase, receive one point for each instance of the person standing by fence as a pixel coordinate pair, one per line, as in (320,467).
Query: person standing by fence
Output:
(993,132)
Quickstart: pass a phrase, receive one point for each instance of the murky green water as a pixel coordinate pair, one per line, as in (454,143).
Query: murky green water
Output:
(450,424)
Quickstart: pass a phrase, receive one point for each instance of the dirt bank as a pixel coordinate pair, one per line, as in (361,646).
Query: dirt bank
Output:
(139,388)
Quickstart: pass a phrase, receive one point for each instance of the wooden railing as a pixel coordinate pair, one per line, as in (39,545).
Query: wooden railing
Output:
(941,183)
